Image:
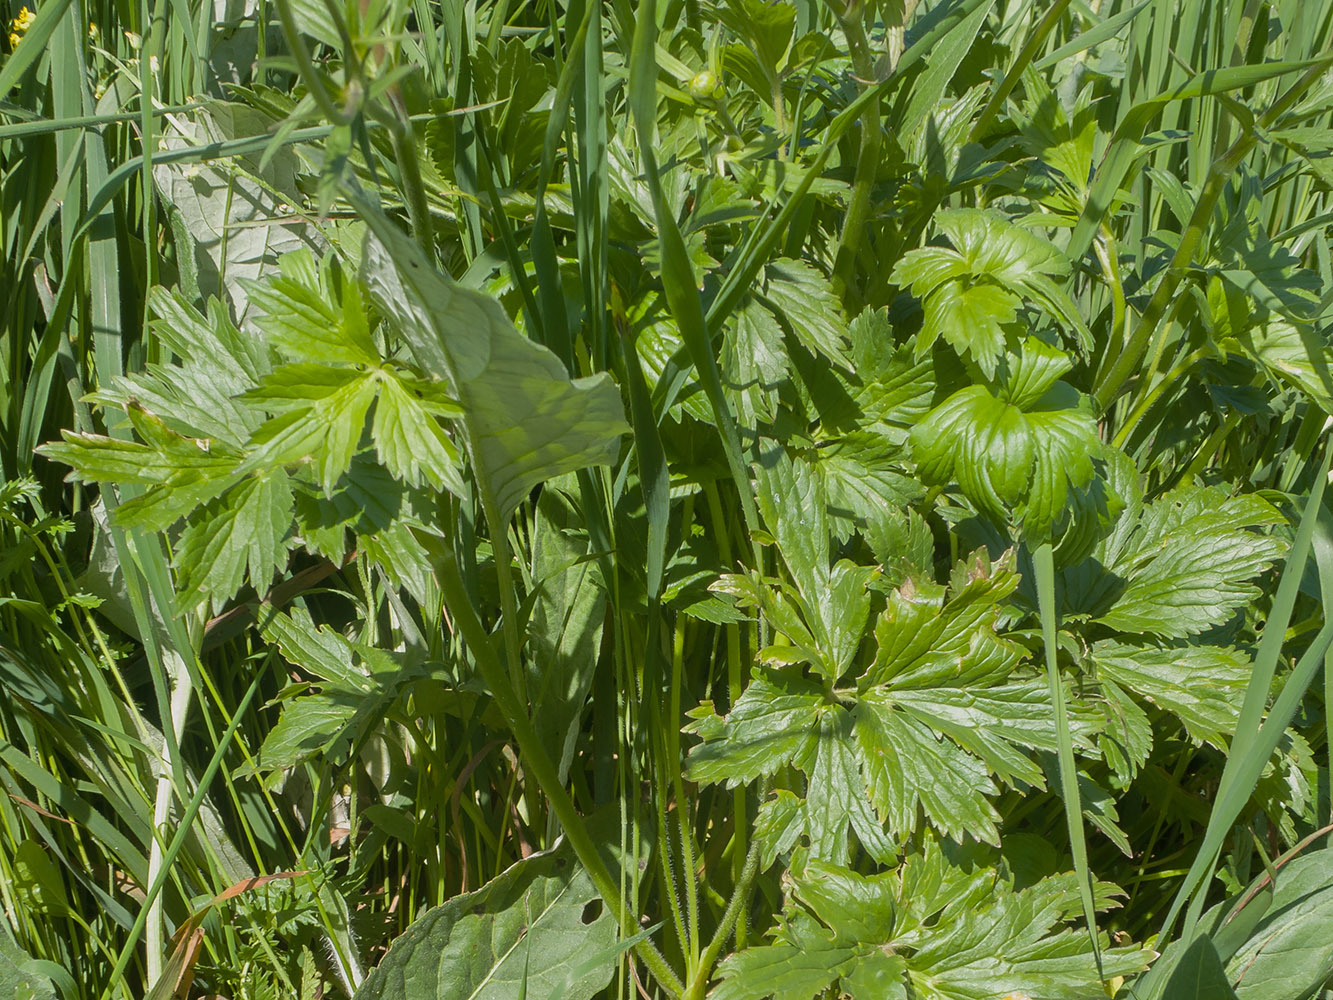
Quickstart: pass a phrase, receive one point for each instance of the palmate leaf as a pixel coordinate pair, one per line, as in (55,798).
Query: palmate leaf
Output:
(198,396)
(531,929)
(311,310)
(774,721)
(972,290)
(833,602)
(1017,450)
(932,930)
(321,416)
(930,637)
(179,473)
(907,766)
(1202,686)
(836,794)
(1177,566)
(526,420)
(243,535)
(930,727)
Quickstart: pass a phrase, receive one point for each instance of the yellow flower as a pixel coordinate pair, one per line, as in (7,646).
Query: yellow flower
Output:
(13,42)
(24,21)
(94,32)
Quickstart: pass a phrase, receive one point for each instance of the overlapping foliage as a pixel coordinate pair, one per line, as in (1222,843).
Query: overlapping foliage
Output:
(739,499)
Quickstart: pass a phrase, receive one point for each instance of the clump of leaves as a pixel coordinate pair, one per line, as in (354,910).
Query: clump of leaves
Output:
(937,927)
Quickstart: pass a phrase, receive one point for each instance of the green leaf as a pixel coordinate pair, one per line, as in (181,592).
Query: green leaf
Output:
(792,503)
(994,941)
(1199,974)
(319,650)
(836,795)
(972,318)
(973,290)
(531,928)
(358,684)
(932,930)
(1183,563)
(409,438)
(321,417)
(928,637)
(993,722)
(19,975)
(1291,354)
(791,971)
(1014,456)
(774,720)
(1271,939)
(765,27)
(864,481)
(1287,954)
(240,537)
(312,725)
(907,766)
(802,299)
(893,388)
(181,473)
(313,312)
(1201,685)
(526,420)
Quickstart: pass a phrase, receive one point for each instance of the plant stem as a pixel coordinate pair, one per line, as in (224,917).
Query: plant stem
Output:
(538,762)
(1025,56)
(867,160)
(183,829)
(730,917)
(1219,176)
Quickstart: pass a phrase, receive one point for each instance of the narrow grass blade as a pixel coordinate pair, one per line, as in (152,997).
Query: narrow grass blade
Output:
(1043,562)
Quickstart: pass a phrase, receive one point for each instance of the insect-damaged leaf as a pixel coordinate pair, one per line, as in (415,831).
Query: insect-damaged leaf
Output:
(534,926)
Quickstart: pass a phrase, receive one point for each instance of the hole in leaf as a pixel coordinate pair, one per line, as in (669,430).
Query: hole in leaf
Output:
(592,911)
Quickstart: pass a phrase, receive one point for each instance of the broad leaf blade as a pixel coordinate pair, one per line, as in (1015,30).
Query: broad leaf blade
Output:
(527,421)
(535,923)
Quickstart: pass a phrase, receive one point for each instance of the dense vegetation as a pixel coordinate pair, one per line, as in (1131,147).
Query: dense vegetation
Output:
(673,499)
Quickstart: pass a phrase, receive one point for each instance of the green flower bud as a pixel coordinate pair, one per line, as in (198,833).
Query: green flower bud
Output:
(706,83)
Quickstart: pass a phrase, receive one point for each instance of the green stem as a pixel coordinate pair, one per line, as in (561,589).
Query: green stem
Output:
(409,173)
(867,160)
(539,764)
(1220,174)
(1152,396)
(731,917)
(305,66)
(689,875)
(1011,78)
(735,687)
